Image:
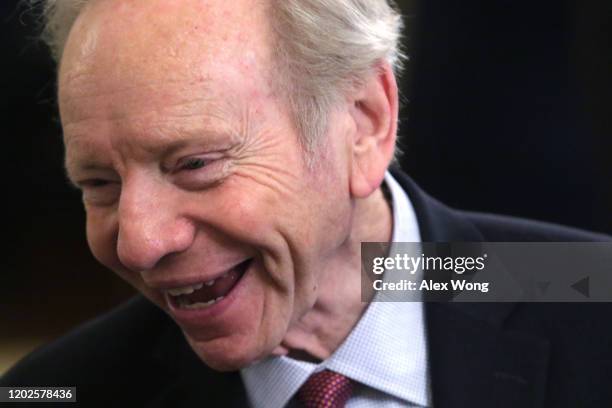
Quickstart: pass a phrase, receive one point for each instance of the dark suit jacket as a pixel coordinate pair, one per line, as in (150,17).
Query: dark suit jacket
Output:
(481,355)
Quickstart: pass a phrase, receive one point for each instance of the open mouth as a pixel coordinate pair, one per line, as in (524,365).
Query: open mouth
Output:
(205,294)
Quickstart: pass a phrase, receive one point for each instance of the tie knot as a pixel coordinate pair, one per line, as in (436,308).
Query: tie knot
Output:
(325,389)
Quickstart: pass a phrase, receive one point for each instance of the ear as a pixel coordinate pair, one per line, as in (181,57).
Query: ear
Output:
(374,110)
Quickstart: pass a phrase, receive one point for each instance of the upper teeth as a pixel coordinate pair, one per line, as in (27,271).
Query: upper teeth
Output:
(185,290)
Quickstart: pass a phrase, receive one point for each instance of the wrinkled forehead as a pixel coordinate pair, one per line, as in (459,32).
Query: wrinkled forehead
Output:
(122,43)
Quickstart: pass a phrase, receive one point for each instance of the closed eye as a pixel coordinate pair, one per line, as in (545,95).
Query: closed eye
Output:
(198,172)
(94,183)
(98,192)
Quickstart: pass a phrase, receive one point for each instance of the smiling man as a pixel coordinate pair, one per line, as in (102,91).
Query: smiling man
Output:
(233,157)
(193,177)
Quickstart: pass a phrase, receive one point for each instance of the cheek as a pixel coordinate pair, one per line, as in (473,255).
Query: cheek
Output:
(102,239)
(251,211)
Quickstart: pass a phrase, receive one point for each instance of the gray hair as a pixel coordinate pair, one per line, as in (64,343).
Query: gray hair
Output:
(323,47)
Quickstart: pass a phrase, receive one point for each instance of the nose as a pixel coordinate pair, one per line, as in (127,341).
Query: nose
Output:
(150,226)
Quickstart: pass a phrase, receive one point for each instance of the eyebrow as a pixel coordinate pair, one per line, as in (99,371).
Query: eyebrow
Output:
(88,157)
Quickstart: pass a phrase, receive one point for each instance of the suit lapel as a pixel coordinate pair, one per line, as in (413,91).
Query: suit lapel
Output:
(473,361)
(476,363)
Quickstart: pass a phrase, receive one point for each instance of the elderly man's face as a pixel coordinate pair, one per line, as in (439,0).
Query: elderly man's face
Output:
(192,173)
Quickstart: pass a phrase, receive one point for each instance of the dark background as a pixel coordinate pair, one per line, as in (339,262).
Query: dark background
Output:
(506,110)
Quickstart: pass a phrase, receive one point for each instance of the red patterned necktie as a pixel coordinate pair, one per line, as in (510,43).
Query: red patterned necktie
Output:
(325,389)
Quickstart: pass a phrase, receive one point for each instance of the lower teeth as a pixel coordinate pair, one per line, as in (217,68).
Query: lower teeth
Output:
(199,305)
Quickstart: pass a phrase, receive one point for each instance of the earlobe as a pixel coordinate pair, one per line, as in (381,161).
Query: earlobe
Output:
(374,110)
(365,179)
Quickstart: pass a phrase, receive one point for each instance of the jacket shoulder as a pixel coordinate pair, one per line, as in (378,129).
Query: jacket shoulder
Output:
(440,223)
(107,349)
(510,229)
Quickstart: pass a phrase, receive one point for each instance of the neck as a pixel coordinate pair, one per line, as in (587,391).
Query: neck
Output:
(341,302)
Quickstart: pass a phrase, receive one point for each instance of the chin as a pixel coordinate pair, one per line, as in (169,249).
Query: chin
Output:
(224,354)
